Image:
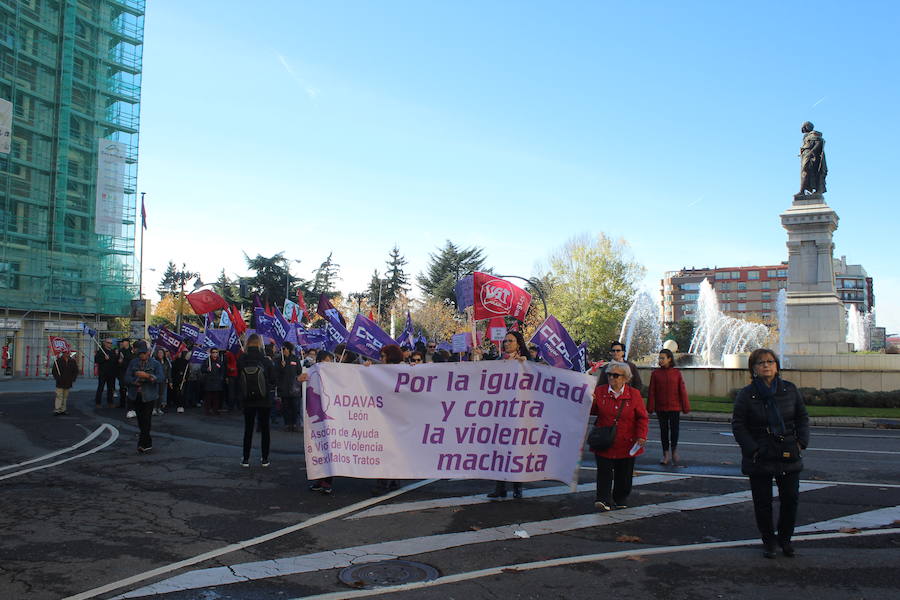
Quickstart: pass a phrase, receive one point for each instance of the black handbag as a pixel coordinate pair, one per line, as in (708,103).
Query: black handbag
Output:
(601,438)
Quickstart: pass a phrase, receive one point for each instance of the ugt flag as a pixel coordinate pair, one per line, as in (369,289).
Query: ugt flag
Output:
(59,345)
(206,301)
(495,297)
(367,338)
(554,343)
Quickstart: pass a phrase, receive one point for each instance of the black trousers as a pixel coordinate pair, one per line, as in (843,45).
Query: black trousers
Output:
(261,416)
(289,409)
(107,380)
(788,497)
(144,412)
(614,474)
(668,425)
(123,391)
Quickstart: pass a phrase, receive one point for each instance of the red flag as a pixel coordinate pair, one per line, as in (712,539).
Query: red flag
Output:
(372,316)
(515,326)
(143,213)
(269,310)
(302,303)
(498,298)
(59,345)
(293,315)
(206,301)
(237,320)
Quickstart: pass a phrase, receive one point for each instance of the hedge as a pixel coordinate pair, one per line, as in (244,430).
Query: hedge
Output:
(845,397)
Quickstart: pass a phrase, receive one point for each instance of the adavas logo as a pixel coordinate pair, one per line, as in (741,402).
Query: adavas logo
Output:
(316,403)
(496,296)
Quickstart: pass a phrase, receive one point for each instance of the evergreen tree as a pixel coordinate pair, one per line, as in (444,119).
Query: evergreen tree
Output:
(325,278)
(397,281)
(446,267)
(169,283)
(376,291)
(272,279)
(227,288)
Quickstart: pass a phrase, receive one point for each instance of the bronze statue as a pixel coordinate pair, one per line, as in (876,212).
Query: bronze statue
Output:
(812,161)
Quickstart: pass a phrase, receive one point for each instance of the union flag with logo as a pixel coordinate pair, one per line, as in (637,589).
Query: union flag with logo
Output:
(496,297)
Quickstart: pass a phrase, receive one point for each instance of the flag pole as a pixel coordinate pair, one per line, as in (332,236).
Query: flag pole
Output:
(141,259)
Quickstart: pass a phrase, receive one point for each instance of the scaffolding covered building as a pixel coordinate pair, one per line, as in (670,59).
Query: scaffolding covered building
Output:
(70,87)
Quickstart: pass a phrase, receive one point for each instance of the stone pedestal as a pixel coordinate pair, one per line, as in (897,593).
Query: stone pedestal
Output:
(816,315)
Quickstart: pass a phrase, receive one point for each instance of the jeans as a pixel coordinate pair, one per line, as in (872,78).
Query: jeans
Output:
(788,497)
(615,474)
(144,412)
(668,422)
(261,416)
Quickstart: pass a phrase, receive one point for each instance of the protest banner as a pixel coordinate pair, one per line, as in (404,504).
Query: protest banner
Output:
(464,293)
(500,420)
(459,342)
(496,329)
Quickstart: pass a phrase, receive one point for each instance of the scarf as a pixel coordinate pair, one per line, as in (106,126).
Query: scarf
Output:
(773,415)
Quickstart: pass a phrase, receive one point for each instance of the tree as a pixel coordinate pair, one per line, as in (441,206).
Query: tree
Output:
(169,283)
(681,331)
(273,279)
(166,311)
(227,288)
(325,278)
(593,281)
(436,319)
(446,267)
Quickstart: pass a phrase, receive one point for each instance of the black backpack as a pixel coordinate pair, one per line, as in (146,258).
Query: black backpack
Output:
(253,382)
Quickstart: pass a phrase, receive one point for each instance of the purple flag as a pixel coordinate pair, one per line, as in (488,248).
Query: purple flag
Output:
(190,332)
(555,344)
(311,338)
(335,334)
(465,292)
(280,327)
(263,322)
(219,337)
(581,358)
(421,339)
(367,338)
(445,346)
(168,340)
(153,332)
(199,355)
(407,339)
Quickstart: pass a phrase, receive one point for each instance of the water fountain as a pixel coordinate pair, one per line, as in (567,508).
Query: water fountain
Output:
(783,332)
(717,335)
(641,331)
(858,328)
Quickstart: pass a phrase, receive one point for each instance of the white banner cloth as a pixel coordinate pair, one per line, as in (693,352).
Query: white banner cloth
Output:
(505,420)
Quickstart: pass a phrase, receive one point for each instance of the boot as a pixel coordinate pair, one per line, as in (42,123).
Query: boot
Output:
(665,458)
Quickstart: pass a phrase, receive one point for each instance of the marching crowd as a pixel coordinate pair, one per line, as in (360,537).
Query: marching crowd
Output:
(769,421)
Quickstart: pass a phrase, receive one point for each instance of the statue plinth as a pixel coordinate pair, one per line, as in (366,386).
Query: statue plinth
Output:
(814,310)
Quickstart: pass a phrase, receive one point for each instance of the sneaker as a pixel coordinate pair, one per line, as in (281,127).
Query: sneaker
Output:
(265,462)
(602,506)
(145,450)
(326,488)
(245,462)
(316,486)
(130,414)
(180,409)
(619,506)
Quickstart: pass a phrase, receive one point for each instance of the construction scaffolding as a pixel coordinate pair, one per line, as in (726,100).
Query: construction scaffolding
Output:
(72,70)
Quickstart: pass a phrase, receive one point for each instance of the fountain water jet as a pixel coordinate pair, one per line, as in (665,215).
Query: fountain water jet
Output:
(641,332)
(717,334)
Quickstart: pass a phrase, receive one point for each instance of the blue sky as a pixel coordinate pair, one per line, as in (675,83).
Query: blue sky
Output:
(351,126)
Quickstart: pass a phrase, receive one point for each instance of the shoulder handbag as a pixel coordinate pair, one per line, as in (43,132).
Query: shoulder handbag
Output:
(602,438)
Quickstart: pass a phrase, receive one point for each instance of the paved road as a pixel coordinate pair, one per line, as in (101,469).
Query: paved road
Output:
(188,522)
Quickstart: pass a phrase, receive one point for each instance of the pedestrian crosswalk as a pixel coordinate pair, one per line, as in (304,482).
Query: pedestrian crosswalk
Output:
(408,547)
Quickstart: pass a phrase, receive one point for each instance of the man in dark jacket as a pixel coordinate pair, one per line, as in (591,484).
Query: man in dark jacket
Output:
(212,372)
(287,369)
(106,360)
(65,372)
(122,362)
(617,353)
(141,377)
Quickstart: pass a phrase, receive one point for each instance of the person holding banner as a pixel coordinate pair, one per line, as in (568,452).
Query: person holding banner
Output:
(620,405)
(514,348)
(256,377)
(106,361)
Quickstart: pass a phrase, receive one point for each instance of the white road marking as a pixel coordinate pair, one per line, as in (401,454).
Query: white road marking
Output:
(744,478)
(867,520)
(810,449)
(113,436)
(390,509)
(109,587)
(572,560)
(343,557)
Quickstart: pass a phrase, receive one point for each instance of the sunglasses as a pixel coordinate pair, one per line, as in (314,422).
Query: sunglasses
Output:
(416,360)
(614,375)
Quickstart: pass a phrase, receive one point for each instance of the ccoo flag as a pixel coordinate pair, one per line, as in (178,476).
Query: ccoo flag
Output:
(367,338)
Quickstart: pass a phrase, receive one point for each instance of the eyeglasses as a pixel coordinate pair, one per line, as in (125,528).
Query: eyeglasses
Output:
(765,362)
(431,347)
(614,375)
(617,350)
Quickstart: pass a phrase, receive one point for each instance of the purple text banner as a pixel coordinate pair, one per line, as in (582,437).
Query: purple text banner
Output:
(501,420)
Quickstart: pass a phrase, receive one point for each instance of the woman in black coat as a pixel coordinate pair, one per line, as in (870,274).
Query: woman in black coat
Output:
(256,377)
(771,425)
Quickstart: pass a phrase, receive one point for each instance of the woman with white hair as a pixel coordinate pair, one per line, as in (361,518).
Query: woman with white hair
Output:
(618,405)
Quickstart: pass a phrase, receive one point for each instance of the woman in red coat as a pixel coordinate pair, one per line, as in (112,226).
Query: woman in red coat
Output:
(668,397)
(615,465)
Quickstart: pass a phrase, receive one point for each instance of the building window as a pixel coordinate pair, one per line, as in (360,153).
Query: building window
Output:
(742,306)
(735,274)
(767,306)
(742,285)
(782,273)
(689,296)
(726,306)
(771,273)
(721,275)
(690,286)
(766,295)
(742,296)
(766,285)
(752,274)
